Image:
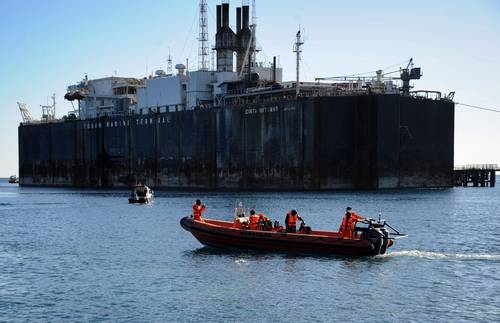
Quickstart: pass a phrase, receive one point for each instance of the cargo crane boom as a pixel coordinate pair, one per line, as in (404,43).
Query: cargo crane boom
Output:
(409,74)
(405,75)
(25,113)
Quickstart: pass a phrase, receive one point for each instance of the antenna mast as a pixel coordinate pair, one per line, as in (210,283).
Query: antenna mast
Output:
(298,51)
(254,32)
(214,53)
(169,64)
(54,104)
(203,55)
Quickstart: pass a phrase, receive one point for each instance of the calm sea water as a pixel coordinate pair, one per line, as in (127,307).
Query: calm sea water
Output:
(86,255)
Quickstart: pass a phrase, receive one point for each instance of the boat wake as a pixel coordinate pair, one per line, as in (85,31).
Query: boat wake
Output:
(439,255)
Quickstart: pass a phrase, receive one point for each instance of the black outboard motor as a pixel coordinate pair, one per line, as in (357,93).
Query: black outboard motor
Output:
(377,234)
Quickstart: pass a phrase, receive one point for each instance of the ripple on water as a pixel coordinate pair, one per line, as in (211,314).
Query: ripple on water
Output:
(439,255)
(86,255)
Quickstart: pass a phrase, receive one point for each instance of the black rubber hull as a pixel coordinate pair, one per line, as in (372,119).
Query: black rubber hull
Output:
(140,200)
(275,241)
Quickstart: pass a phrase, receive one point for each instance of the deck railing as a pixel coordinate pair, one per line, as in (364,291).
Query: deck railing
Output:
(478,167)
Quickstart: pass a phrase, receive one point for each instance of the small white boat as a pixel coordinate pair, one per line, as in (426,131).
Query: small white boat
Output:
(13,179)
(141,194)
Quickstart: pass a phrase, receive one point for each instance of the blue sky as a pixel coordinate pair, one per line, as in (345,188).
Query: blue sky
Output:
(47,45)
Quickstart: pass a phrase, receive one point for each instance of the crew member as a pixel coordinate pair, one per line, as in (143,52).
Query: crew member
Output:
(198,209)
(254,221)
(349,223)
(291,221)
(140,189)
(264,223)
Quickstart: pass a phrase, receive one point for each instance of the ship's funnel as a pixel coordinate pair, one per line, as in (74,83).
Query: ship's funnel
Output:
(238,20)
(244,37)
(225,15)
(246,17)
(219,17)
(225,41)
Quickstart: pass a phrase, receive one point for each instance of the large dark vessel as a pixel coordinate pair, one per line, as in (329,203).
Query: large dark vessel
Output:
(241,127)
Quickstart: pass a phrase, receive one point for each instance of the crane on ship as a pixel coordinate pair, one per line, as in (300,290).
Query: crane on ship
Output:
(48,111)
(25,113)
(405,75)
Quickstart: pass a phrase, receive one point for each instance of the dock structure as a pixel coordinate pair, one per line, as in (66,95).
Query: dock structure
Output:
(477,175)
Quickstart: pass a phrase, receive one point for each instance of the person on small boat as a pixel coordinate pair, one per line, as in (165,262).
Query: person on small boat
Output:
(198,210)
(141,189)
(349,223)
(291,221)
(254,221)
(265,224)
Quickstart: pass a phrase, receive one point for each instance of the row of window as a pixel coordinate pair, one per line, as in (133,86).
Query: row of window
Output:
(162,109)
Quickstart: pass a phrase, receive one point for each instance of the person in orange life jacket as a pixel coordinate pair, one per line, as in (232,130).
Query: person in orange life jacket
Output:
(291,221)
(348,223)
(254,221)
(198,209)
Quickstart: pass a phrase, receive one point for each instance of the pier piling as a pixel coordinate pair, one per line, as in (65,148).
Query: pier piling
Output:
(483,175)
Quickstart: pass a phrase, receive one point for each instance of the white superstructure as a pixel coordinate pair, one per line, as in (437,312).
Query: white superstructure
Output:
(236,74)
(161,94)
(105,96)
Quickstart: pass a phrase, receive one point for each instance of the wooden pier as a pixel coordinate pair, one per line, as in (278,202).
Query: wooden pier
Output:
(480,175)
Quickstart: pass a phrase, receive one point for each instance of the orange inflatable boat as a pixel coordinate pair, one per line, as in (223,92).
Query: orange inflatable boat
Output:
(370,238)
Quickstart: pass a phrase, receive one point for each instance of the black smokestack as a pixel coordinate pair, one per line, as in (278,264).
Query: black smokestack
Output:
(225,15)
(219,17)
(238,20)
(246,16)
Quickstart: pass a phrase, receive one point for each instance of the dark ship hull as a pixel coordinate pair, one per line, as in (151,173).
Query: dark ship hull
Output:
(317,143)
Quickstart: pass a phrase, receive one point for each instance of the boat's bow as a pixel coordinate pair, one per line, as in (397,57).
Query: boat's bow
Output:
(187,223)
